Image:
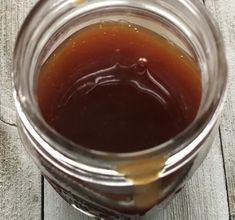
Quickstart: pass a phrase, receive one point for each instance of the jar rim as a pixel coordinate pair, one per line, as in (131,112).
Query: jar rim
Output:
(56,145)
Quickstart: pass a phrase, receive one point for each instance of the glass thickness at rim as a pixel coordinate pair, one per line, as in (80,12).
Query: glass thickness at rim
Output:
(189,138)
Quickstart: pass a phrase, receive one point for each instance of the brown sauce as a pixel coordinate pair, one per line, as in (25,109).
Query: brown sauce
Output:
(117,87)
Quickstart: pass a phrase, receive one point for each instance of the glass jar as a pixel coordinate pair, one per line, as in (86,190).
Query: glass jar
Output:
(105,185)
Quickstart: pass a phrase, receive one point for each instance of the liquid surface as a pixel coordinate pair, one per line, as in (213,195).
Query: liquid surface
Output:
(118,87)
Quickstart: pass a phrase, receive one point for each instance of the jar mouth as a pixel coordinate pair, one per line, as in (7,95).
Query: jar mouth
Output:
(176,149)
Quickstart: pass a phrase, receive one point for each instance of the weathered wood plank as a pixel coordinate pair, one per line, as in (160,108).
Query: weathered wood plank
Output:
(55,208)
(224,11)
(19,178)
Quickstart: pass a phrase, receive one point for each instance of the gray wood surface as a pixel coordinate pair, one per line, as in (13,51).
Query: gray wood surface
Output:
(209,195)
(224,11)
(20,189)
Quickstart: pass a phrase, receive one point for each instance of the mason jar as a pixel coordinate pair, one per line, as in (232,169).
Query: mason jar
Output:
(100,184)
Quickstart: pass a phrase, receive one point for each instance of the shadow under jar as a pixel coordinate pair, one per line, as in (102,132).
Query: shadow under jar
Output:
(120,176)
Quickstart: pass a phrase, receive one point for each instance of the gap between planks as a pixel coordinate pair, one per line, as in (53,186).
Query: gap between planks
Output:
(224,12)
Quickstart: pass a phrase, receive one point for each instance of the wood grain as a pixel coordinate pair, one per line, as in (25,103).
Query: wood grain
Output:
(19,178)
(224,11)
(55,208)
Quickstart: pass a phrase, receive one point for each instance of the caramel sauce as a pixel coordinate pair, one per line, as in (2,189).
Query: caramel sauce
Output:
(144,171)
(118,87)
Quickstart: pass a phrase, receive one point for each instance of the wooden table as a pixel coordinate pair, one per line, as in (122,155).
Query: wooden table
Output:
(24,195)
